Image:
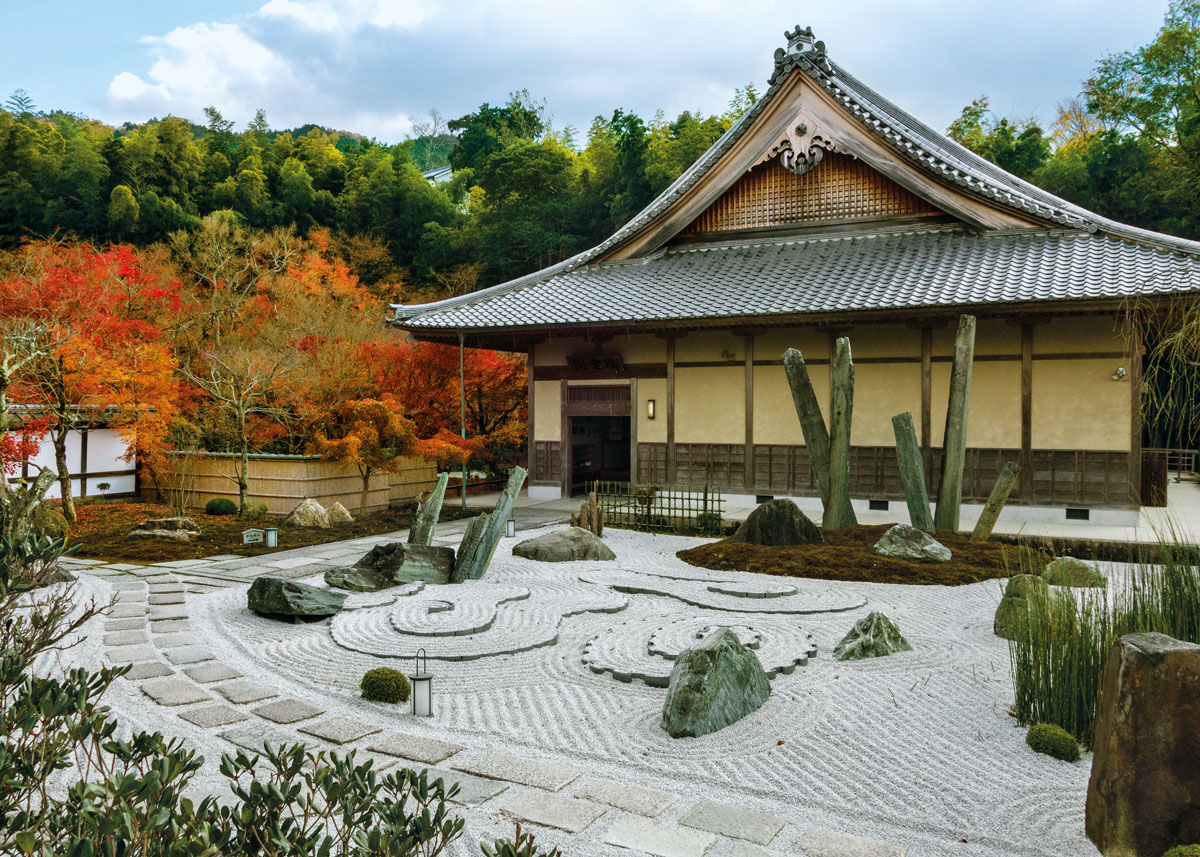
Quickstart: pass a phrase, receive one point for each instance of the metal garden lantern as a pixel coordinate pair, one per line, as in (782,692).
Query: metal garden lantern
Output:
(272,534)
(422,687)
(510,528)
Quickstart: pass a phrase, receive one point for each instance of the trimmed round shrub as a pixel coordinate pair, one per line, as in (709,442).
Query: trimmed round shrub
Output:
(220,506)
(1053,741)
(384,684)
(1184,851)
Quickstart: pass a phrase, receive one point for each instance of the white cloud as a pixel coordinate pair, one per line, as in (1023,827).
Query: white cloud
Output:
(344,17)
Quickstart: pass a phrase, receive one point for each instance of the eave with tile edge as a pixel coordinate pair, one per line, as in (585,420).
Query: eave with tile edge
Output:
(808,90)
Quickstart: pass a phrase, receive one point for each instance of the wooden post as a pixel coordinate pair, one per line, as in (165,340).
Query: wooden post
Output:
(670,480)
(927,401)
(912,472)
(748,481)
(530,444)
(1026,487)
(816,437)
(428,512)
(840,420)
(954,441)
(995,502)
(634,416)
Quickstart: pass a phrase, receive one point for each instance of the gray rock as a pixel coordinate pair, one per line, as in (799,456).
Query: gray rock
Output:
(140,535)
(779,523)
(568,545)
(276,597)
(358,579)
(1144,794)
(872,637)
(339,514)
(49,522)
(1013,612)
(472,536)
(712,685)
(1068,571)
(905,542)
(310,513)
(391,564)
(177,523)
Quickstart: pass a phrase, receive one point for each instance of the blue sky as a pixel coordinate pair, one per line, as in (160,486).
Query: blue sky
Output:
(372,65)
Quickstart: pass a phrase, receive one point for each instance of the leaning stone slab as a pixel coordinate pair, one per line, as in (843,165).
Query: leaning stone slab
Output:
(276,597)
(517,769)
(733,821)
(563,813)
(630,798)
(778,523)
(1143,797)
(414,747)
(905,542)
(661,840)
(714,684)
(1012,613)
(428,512)
(567,545)
(288,711)
(339,730)
(828,843)
(472,790)
(475,564)
(1069,571)
(174,691)
(309,513)
(212,716)
(467,547)
(872,637)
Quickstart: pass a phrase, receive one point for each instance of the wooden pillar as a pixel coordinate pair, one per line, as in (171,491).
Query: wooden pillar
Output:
(530,444)
(1026,461)
(83,462)
(927,400)
(564,444)
(670,480)
(749,455)
(1135,427)
(634,416)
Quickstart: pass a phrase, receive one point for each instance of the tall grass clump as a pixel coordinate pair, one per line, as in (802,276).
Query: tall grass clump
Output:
(1059,656)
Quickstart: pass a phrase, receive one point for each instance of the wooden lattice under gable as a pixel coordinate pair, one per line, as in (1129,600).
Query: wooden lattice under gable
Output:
(839,188)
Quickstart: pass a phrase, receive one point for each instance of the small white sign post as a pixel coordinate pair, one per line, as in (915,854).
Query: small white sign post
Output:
(252,536)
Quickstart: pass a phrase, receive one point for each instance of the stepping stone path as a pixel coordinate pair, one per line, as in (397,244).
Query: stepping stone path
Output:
(733,821)
(662,840)
(828,843)
(472,790)
(150,669)
(253,737)
(427,750)
(517,769)
(635,799)
(288,711)
(174,691)
(242,692)
(211,716)
(207,673)
(564,813)
(339,730)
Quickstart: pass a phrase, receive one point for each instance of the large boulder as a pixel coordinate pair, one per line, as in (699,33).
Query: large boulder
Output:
(276,597)
(905,542)
(310,513)
(358,579)
(177,529)
(712,685)
(403,563)
(872,637)
(1012,615)
(1069,571)
(778,523)
(1144,794)
(48,522)
(339,514)
(572,543)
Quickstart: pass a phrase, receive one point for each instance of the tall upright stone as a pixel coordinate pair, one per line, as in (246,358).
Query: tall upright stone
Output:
(467,547)
(474,565)
(1143,797)
(954,441)
(838,512)
(912,472)
(428,512)
(816,436)
(995,502)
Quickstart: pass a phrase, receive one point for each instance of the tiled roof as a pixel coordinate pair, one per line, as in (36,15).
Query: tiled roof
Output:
(903,268)
(926,149)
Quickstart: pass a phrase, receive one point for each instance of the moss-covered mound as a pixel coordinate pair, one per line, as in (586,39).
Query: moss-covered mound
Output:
(1053,741)
(849,555)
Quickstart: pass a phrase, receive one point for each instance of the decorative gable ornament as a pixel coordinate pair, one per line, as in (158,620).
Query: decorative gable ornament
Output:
(802,148)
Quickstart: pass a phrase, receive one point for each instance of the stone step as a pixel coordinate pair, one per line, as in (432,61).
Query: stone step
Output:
(817,842)
(635,799)
(661,840)
(517,769)
(733,821)
(563,813)
(414,747)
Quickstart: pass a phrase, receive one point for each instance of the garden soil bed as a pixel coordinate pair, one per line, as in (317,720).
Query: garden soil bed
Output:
(849,556)
(101,530)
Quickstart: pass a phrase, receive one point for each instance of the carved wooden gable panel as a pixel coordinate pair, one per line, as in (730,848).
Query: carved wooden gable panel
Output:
(838,188)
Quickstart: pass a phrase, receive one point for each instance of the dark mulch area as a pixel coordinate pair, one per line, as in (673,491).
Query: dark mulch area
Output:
(102,527)
(1094,550)
(848,555)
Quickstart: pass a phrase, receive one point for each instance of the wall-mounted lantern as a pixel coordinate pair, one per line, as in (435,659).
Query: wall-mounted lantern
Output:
(649,409)
(422,687)
(1120,374)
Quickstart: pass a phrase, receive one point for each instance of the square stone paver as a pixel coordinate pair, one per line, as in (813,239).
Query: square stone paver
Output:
(517,769)
(123,566)
(472,790)
(221,557)
(156,599)
(188,655)
(169,626)
(174,691)
(636,799)
(206,673)
(662,840)
(564,813)
(126,611)
(733,821)
(159,612)
(293,562)
(339,730)
(125,638)
(829,843)
(131,596)
(288,711)
(741,848)
(211,716)
(132,654)
(128,586)
(125,624)
(240,692)
(149,669)
(427,750)
(180,563)
(253,736)
(174,641)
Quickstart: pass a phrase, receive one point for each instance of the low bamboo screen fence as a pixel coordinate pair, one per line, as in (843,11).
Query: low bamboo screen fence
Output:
(281,482)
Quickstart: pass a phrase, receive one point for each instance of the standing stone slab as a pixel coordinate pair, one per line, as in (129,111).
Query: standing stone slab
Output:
(467,547)
(712,685)
(829,843)
(556,811)
(912,472)
(954,446)
(1144,794)
(477,562)
(428,512)
(517,769)
(427,750)
(733,821)
(661,840)
(816,436)
(1005,483)
(630,798)
(174,691)
(838,512)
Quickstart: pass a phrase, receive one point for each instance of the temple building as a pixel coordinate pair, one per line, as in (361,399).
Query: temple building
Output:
(828,211)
